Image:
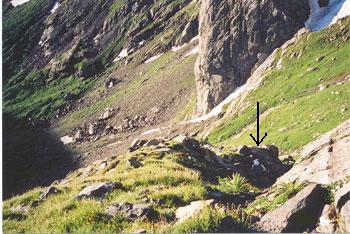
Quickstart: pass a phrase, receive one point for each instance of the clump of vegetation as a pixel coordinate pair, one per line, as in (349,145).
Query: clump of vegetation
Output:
(289,189)
(207,221)
(279,195)
(236,184)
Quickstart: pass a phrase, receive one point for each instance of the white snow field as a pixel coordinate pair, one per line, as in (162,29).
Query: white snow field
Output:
(321,18)
(218,109)
(18,2)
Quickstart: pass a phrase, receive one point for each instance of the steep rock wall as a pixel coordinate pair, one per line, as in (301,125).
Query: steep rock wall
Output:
(235,37)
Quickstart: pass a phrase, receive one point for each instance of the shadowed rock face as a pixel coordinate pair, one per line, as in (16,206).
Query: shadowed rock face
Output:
(236,36)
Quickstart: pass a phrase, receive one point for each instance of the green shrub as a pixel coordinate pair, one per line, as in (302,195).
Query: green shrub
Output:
(289,189)
(236,184)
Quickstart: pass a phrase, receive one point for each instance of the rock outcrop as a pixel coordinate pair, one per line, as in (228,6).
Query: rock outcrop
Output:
(298,214)
(235,37)
(98,190)
(342,206)
(132,211)
(325,160)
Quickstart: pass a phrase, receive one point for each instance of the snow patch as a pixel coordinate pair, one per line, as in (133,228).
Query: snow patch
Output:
(121,55)
(321,18)
(153,58)
(141,43)
(55,7)
(18,2)
(218,109)
(153,131)
(195,50)
(177,48)
(195,38)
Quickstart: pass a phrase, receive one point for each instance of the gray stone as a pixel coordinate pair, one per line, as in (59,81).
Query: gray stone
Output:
(133,162)
(192,209)
(98,190)
(153,142)
(50,191)
(298,214)
(132,211)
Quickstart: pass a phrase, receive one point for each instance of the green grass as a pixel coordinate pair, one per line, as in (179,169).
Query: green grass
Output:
(161,179)
(290,97)
(33,97)
(236,184)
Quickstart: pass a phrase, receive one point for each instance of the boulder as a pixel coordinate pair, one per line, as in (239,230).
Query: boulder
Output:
(229,225)
(50,191)
(69,96)
(192,209)
(342,204)
(153,142)
(133,162)
(132,211)
(326,222)
(106,115)
(98,190)
(298,214)
(136,144)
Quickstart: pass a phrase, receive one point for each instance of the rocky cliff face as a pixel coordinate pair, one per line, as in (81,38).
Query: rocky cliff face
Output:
(236,36)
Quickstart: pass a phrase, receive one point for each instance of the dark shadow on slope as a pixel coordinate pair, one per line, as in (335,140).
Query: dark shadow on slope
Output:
(212,166)
(31,157)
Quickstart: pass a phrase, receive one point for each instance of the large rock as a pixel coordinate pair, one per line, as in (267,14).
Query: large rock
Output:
(192,209)
(325,160)
(235,37)
(98,190)
(132,211)
(342,203)
(48,192)
(298,214)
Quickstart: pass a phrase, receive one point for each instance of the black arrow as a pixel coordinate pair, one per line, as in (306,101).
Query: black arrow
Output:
(257,141)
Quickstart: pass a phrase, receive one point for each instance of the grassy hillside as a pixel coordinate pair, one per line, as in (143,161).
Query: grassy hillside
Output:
(308,96)
(165,180)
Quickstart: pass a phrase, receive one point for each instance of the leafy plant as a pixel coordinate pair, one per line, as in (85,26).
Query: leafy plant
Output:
(289,189)
(236,184)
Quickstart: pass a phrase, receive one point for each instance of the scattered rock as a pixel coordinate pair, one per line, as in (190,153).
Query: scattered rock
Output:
(40,123)
(229,225)
(133,162)
(153,142)
(109,83)
(244,150)
(139,231)
(106,115)
(133,211)
(50,191)
(312,69)
(298,214)
(319,59)
(67,140)
(92,129)
(136,144)
(194,208)
(69,97)
(98,190)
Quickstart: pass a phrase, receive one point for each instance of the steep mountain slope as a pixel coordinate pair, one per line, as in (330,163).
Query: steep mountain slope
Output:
(231,48)
(304,94)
